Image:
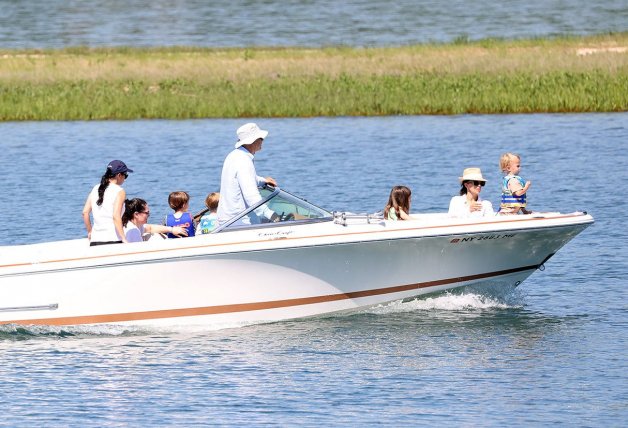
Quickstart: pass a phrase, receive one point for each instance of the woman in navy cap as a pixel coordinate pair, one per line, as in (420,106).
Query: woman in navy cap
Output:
(105,203)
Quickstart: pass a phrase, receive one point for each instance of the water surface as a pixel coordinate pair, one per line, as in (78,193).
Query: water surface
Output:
(552,352)
(221,23)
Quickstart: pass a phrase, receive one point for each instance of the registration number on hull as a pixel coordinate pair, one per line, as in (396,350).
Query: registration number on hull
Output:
(482,238)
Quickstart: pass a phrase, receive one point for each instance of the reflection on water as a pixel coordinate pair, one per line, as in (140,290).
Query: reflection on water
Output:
(220,23)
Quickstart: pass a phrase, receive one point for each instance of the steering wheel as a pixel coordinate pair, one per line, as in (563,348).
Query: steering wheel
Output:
(286,217)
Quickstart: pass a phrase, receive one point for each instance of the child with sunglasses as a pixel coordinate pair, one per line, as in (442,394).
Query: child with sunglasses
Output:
(469,204)
(514,188)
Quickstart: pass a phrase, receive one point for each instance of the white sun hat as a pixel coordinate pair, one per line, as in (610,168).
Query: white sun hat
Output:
(472,174)
(249,133)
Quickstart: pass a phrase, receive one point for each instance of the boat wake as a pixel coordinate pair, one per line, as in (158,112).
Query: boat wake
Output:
(21,332)
(25,332)
(468,300)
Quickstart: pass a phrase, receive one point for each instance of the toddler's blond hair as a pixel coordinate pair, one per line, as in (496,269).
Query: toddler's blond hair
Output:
(504,161)
(211,201)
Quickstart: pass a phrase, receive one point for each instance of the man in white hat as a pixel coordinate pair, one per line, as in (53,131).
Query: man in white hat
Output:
(239,181)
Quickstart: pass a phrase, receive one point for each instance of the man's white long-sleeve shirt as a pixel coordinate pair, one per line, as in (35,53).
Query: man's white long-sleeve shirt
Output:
(238,186)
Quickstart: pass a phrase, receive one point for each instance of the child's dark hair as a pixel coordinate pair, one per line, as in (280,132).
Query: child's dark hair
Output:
(135,205)
(399,198)
(177,200)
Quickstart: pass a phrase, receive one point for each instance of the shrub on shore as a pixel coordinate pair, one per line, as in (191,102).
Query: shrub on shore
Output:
(583,74)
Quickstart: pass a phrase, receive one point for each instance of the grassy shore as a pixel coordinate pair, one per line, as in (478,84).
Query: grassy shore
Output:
(567,74)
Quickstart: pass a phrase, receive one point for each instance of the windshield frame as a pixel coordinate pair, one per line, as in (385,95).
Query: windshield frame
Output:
(274,191)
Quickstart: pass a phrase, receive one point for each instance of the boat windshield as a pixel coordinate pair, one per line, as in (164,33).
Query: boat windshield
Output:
(288,209)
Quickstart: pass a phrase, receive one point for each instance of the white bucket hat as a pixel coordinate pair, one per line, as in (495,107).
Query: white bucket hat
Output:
(472,174)
(248,134)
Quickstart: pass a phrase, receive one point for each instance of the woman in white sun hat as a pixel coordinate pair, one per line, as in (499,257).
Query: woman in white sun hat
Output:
(469,204)
(239,181)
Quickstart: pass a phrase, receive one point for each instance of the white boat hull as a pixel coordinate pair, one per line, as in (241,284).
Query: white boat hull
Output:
(272,273)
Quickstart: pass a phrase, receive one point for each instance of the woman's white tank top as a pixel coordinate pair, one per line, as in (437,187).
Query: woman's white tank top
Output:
(103,229)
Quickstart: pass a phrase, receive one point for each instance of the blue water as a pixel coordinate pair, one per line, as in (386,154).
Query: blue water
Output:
(220,23)
(552,352)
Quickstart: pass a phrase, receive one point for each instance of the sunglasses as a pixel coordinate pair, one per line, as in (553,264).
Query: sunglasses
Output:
(477,183)
(144,212)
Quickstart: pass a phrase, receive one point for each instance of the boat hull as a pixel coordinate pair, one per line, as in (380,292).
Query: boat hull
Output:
(281,273)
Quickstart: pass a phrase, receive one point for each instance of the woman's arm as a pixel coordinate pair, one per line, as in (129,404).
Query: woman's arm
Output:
(457,209)
(487,208)
(158,228)
(86,210)
(117,214)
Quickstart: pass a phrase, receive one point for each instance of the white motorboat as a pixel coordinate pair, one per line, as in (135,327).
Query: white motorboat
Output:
(311,262)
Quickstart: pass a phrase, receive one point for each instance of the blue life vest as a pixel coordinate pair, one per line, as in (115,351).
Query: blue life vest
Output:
(185,221)
(509,200)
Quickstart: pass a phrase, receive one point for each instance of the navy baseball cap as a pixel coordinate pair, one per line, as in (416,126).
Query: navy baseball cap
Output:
(118,167)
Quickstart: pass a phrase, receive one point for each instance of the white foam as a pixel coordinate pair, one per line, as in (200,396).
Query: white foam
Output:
(468,300)
(51,330)
(443,302)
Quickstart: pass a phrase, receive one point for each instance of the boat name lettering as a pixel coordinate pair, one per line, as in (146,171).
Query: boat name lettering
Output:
(283,234)
(481,238)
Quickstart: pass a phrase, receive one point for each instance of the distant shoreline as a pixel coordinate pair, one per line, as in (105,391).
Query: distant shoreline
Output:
(562,74)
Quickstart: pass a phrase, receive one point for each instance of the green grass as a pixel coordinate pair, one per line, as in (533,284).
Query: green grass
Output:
(490,76)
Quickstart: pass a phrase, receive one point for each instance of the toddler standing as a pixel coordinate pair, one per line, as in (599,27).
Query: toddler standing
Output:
(514,188)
